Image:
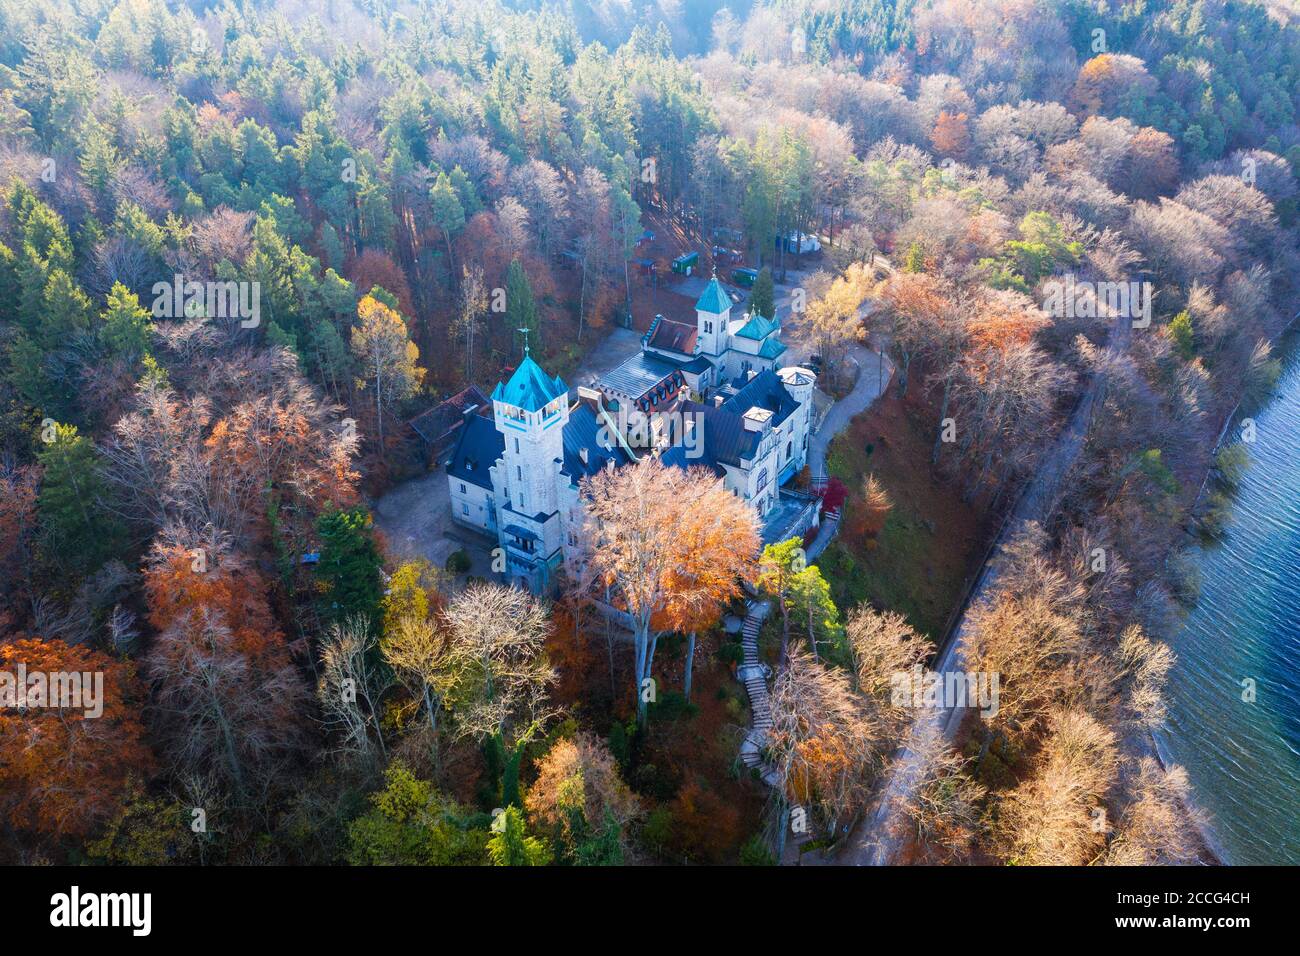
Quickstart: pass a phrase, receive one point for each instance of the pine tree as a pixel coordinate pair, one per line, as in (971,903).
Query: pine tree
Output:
(915,261)
(1182,335)
(511,846)
(448,212)
(521,309)
(350,565)
(76,532)
(763,300)
(127,326)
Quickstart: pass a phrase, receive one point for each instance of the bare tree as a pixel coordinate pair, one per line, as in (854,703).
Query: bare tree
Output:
(1146,663)
(1159,825)
(1026,639)
(945,804)
(512,226)
(883,645)
(1056,817)
(823,742)
(350,689)
(499,675)
(221,708)
(473,306)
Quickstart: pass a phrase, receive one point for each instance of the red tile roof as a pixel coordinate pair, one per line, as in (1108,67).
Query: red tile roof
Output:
(673,336)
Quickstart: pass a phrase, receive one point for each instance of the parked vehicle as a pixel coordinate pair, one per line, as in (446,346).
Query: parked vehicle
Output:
(796,242)
(744,277)
(685,264)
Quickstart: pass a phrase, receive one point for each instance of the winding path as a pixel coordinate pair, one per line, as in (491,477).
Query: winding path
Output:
(873,376)
(874,371)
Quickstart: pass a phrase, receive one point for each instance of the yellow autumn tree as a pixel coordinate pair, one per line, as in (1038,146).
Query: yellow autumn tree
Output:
(387,356)
(834,320)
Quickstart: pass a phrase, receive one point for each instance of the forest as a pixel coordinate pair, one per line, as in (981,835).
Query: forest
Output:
(244,244)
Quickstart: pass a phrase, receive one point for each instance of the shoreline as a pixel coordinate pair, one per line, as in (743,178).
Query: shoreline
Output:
(1212,847)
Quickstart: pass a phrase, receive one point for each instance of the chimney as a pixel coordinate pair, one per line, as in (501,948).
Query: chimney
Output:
(589,393)
(751,374)
(582,453)
(469,411)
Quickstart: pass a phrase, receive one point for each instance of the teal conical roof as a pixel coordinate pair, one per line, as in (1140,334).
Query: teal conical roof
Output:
(529,388)
(713,299)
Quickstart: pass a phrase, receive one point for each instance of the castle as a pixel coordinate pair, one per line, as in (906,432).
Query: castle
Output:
(712,394)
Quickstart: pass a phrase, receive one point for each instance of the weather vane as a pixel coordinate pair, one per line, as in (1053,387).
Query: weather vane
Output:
(524,330)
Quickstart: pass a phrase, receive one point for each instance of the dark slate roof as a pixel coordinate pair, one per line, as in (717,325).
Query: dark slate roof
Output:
(766,390)
(437,425)
(529,388)
(726,441)
(480,445)
(582,431)
(713,299)
(641,372)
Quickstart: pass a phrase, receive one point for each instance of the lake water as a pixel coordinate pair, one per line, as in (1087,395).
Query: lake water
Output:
(1244,758)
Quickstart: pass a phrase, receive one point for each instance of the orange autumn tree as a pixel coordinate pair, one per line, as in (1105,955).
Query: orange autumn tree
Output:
(180,581)
(1000,319)
(1105,79)
(229,697)
(920,307)
(951,135)
(285,443)
(670,546)
(869,513)
(700,585)
(63,773)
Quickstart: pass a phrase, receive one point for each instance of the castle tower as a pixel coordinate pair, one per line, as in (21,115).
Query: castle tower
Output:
(799,383)
(712,313)
(531,411)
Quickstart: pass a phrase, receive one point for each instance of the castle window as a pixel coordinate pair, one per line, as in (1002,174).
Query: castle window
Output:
(519,472)
(464,509)
(516,446)
(462,487)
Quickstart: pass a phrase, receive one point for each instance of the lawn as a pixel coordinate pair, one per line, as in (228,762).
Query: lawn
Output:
(931,541)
